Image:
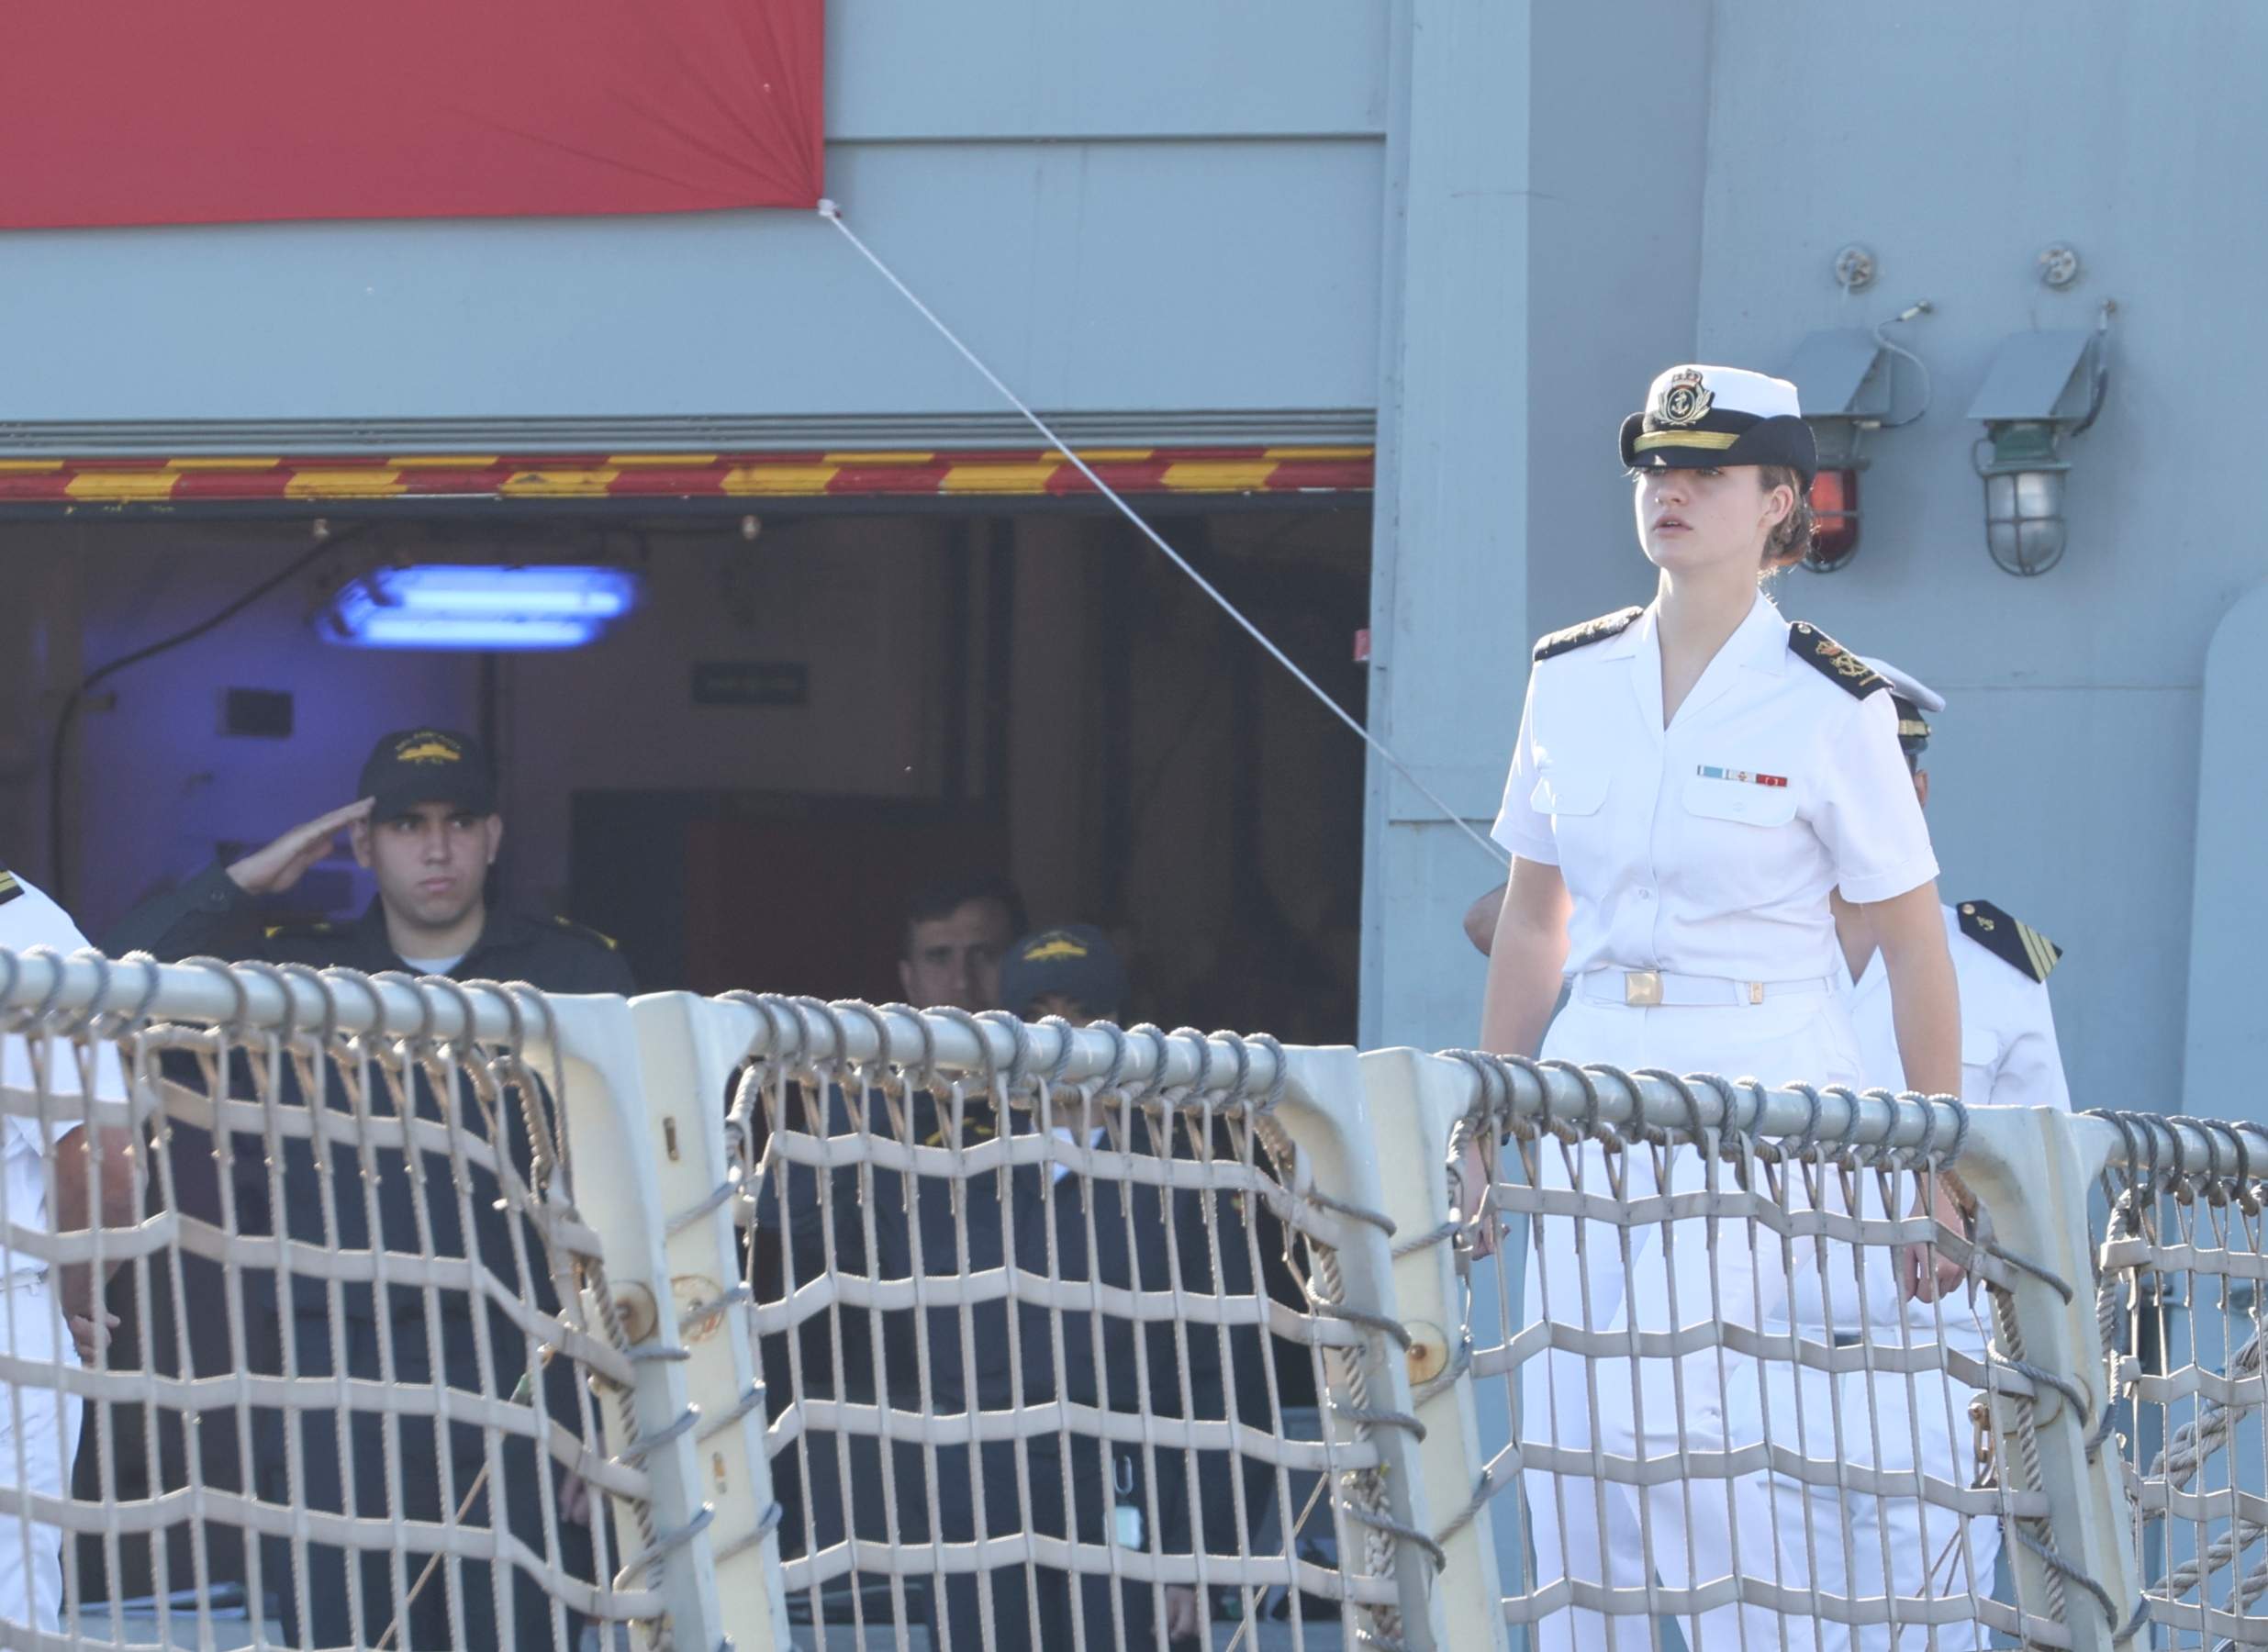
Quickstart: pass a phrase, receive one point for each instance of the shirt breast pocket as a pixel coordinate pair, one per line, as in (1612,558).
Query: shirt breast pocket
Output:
(1747,804)
(1569,792)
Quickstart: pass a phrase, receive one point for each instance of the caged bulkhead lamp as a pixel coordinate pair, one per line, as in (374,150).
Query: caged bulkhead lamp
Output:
(2044,388)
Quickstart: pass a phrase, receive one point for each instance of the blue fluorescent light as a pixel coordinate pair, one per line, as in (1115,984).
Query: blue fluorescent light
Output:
(454,606)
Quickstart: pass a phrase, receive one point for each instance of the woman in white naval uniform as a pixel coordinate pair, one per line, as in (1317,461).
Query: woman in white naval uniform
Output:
(2008,1058)
(38,1423)
(1690,781)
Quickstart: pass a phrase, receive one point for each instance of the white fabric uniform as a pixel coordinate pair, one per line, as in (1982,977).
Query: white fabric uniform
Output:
(2008,1058)
(1705,849)
(38,1423)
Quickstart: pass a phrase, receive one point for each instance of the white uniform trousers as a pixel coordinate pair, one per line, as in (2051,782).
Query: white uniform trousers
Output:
(1866,1545)
(1687,1533)
(39,1438)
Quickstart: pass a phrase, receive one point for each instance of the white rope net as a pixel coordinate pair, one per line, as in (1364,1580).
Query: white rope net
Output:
(352,1379)
(1729,1415)
(2184,1253)
(1044,1356)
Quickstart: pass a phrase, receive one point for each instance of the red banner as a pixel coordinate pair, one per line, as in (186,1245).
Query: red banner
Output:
(222,111)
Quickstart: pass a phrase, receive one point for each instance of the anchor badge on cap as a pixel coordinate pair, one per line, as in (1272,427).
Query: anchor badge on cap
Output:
(1684,400)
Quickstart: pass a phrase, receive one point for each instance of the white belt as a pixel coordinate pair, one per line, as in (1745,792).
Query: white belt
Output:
(1659,988)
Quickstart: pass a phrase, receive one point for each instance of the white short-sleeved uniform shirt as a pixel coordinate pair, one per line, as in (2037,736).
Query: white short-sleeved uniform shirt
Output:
(1708,847)
(2008,1052)
(29,918)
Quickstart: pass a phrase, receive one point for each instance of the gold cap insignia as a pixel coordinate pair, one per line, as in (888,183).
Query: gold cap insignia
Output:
(1058,946)
(1684,400)
(426,750)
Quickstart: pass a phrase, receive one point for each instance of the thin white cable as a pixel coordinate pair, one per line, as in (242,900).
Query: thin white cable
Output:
(833,215)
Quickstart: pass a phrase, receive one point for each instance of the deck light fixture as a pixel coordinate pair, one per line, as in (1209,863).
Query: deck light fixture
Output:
(2044,388)
(1845,379)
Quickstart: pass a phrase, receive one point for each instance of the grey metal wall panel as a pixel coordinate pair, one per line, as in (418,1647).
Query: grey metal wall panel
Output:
(906,69)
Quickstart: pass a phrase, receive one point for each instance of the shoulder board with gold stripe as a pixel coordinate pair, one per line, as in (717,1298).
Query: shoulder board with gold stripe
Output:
(9,887)
(1590,630)
(2017,945)
(309,930)
(1846,670)
(589,934)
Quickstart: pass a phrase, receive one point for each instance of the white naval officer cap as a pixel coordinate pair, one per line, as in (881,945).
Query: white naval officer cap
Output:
(1913,696)
(1699,417)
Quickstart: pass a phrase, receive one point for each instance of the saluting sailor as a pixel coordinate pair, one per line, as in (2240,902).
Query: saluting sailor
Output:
(1692,781)
(2009,1057)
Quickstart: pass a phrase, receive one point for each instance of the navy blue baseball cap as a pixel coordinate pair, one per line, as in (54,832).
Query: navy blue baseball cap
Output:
(428,765)
(1075,962)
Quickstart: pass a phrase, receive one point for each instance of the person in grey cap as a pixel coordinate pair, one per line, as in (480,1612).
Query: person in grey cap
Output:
(426,825)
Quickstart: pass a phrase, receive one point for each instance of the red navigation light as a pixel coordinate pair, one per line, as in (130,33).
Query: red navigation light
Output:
(1835,520)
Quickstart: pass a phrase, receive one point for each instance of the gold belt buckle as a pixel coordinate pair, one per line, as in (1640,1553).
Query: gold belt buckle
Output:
(1642,988)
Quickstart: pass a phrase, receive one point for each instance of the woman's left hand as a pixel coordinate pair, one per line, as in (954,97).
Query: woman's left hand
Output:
(1925,1275)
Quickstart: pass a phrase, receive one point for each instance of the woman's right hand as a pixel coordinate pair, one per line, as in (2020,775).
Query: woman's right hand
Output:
(1475,1195)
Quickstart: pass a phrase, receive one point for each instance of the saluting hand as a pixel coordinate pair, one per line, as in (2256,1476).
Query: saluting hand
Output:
(284,862)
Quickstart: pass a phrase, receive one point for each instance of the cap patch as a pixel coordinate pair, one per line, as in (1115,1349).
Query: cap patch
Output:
(2017,945)
(1684,400)
(1846,670)
(428,748)
(1054,947)
(1588,631)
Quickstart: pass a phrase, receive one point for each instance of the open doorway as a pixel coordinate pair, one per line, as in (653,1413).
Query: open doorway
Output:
(807,714)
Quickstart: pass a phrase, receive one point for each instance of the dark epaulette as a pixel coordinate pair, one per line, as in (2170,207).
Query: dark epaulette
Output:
(313,928)
(2017,945)
(1833,661)
(589,934)
(1590,630)
(9,887)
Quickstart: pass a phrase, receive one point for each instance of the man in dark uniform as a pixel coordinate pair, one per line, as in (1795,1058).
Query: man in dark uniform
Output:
(1122,1235)
(427,827)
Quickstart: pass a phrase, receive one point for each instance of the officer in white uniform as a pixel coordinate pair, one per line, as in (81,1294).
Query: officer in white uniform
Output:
(1681,866)
(39,1422)
(2008,1058)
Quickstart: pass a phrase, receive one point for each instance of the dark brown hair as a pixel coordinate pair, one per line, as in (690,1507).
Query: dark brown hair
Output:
(1791,541)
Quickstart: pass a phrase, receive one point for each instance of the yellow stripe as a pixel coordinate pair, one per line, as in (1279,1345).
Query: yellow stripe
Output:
(232,463)
(779,480)
(1220,476)
(122,484)
(8,882)
(1694,439)
(31,466)
(2037,947)
(1320,452)
(1115,455)
(444,461)
(1030,478)
(625,460)
(361,483)
(558,484)
(879,458)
